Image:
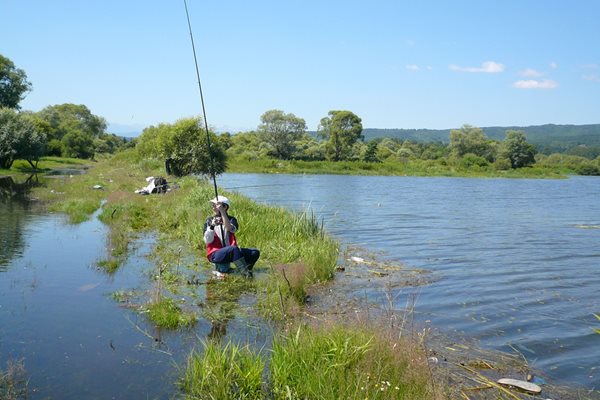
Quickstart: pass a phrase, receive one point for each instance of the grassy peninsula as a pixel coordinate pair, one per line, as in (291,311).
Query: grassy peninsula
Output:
(344,361)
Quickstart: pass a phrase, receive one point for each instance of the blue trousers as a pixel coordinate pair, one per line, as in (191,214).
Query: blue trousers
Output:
(228,254)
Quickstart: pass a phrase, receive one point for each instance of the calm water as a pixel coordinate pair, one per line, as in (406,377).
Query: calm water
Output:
(58,317)
(515,262)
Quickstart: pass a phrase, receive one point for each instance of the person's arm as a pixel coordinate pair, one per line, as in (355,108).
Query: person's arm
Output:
(227,222)
(209,231)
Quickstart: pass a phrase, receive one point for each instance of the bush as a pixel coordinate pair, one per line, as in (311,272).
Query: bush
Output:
(471,160)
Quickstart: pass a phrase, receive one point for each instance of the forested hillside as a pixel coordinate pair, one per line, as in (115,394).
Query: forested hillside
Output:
(548,138)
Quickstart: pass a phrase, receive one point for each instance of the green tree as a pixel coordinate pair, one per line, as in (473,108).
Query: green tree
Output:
(340,129)
(309,148)
(516,149)
(77,144)
(19,139)
(74,126)
(13,84)
(247,145)
(470,139)
(370,154)
(185,146)
(64,118)
(280,131)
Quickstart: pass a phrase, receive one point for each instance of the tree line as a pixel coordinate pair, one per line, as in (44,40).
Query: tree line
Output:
(71,130)
(67,130)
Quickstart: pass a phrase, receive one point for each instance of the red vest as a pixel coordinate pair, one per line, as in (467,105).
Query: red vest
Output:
(216,243)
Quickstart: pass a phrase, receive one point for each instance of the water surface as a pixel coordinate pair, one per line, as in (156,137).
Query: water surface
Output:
(515,261)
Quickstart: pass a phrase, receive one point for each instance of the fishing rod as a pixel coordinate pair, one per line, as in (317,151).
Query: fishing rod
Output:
(210,153)
(212,163)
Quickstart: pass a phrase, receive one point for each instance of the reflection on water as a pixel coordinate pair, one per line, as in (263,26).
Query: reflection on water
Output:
(59,317)
(515,262)
(14,210)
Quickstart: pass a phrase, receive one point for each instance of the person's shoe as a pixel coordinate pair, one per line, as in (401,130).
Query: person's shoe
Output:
(242,267)
(219,275)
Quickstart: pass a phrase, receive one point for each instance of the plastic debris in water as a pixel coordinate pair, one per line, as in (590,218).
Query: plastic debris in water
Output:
(526,386)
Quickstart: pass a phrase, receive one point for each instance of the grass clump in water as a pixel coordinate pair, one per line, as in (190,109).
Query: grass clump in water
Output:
(228,372)
(109,266)
(344,363)
(166,313)
(327,363)
(13,381)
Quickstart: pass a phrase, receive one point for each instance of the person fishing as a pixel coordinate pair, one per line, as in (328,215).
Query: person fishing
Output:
(221,244)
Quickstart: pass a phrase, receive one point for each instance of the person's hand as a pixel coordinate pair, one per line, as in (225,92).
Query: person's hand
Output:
(220,207)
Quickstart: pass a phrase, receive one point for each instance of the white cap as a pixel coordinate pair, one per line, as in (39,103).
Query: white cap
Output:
(220,199)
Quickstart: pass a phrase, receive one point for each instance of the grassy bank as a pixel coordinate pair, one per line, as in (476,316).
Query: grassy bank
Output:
(295,250)
(296,253)
(408,168)
(46,164)
(333,362)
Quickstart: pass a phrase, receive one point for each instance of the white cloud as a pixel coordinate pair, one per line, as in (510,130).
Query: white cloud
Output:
(487,67)
(411,43)
(590,66)
(534,84)
(553,65)
(530,73)
(412,67)
(429,68)
(592,77)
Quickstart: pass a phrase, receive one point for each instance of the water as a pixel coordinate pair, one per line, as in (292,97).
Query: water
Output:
(515,263)
(58,317)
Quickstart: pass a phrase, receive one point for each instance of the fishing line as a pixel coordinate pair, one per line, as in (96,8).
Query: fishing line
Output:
(210,153)
(212,163)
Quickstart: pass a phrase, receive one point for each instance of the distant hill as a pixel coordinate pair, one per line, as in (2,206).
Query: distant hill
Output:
(547,138)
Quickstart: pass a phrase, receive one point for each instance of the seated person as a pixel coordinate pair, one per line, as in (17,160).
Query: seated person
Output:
(221,245)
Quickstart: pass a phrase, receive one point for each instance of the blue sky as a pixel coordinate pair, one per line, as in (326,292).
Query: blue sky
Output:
(396,64)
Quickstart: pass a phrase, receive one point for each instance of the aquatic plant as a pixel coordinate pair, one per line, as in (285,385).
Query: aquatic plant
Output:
(166,313)
(331,362)
(345,363)
(223,372)
(13,381)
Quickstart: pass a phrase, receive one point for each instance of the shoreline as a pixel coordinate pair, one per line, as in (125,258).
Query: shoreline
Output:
(331,283)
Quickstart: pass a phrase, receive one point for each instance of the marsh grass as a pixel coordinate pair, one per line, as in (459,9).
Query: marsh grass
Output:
(223,372)
(13,381)
(328,362)
(166,313)
(338,362)
(110,266)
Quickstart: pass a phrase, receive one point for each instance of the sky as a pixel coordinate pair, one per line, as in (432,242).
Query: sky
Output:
(395,64)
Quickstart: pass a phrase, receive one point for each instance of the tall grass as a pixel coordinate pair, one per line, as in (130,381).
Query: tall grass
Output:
(228,372)
(327,363)
(346,363)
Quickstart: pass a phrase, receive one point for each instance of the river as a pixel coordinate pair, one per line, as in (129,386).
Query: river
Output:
(515,262)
